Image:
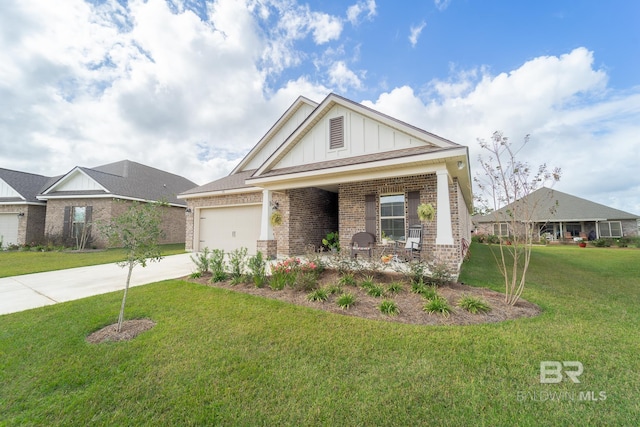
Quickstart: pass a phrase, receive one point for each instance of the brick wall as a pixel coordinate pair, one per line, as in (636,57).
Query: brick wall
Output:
(352,212)
(30,225)
(103,210)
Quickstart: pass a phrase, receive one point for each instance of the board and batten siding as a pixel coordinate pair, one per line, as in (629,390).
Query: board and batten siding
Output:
(362,136)
(278,138)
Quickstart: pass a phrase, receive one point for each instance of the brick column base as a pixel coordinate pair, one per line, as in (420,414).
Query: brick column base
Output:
(269,248)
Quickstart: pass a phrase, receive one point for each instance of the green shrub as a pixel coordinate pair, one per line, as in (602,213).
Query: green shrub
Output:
(474,305)
(347,279)
(375,291)
(318,295)
(334,289)
(395,287)
(367,282)
(346,300)
(389,307)
(202,261)
(258,267)
(440,273)
(238,263)
(217,265)
(438,305)
(601,243)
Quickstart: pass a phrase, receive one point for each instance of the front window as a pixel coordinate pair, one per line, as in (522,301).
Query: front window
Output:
(79,219)
(610,229)
(501,229)
(392,221)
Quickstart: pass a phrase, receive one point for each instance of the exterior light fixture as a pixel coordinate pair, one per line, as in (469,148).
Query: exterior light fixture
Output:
(20,214)
(460,164)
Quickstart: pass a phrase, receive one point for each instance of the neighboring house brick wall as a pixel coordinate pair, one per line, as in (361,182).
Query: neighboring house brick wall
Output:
(34,219)
(31,225)
(103,210)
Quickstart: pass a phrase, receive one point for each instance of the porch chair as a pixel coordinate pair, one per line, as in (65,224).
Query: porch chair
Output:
(413,246)
(361,242)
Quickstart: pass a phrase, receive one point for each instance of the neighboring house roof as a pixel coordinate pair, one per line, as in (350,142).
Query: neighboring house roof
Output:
(20,187)
(556,206)
(124,179)
(291,153)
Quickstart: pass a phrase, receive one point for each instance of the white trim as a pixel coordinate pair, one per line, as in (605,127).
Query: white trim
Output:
(266,229)
(444,233)
(106,196)
(23,203)
(69,176)
(219,193)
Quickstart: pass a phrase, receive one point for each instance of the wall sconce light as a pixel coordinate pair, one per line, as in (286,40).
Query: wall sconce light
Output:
(20,215)
(188,210)
(275,205)
(460,165)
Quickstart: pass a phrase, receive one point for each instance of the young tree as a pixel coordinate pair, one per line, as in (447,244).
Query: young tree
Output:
(137,230)
(505,184)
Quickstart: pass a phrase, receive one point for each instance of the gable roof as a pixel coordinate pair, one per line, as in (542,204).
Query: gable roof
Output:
(124,179)
(419,152)
(567,208)
(327,104)
(25,186)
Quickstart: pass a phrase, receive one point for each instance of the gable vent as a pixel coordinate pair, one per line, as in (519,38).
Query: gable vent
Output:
(336,133)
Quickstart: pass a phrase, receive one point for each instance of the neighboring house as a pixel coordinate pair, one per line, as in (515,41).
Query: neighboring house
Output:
(22,215)
(561,216)
(84,197)
(336,166)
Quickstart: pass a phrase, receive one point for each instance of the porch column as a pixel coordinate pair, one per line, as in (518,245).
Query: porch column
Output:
(444,232)
(266,229)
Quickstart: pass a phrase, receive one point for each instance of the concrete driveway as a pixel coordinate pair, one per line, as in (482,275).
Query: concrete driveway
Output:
(28,291)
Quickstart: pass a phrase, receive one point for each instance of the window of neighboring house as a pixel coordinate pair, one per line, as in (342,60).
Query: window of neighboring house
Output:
(336,133)
(501,229)
(392,219)
(78,220)
(574,229)
(610,229)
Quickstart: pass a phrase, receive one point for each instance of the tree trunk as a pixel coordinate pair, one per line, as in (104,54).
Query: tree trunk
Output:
(124,298)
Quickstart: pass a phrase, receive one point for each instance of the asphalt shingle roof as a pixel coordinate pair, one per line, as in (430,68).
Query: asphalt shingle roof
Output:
(568,208)
(130,179)
(28,185)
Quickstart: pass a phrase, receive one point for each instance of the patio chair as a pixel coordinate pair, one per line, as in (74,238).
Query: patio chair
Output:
(413,245)
(361,242)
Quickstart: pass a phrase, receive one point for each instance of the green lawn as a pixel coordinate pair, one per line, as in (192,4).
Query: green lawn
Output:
(15,263)
(225,358)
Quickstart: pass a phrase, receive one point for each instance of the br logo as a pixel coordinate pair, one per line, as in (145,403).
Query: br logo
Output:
(551,372)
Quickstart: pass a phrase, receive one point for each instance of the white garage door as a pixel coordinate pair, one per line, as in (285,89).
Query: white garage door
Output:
(230,228)
(8,229)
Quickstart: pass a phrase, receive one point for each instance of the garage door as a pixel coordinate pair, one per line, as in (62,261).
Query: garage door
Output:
(8,229)
(230,228)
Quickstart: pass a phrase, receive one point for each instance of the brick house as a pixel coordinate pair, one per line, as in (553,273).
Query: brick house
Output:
(22,215)
(336,166)
(87,196)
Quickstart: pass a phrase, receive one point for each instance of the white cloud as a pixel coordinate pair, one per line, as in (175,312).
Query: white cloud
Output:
(574,120)
(414,33)
(367,7)
(441,4)
(343,78)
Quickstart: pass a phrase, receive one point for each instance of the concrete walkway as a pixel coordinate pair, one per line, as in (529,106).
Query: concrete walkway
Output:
(28,291)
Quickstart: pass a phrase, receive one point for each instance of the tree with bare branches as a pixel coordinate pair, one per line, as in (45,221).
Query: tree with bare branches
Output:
(505,184)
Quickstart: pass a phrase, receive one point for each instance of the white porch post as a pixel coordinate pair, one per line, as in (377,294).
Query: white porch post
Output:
(266,229)
(444,232)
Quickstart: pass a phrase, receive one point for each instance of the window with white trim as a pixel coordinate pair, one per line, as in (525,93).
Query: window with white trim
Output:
(336,133)
(78,220)
(610,229)
(392,220)
(501,229)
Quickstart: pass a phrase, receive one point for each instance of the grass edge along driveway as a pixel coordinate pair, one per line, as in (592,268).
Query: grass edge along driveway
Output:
(220,357)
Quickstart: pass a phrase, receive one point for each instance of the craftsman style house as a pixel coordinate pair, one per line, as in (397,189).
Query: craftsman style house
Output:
(336,166)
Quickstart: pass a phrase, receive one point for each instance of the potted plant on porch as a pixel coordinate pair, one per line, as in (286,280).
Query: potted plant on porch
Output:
(332,241)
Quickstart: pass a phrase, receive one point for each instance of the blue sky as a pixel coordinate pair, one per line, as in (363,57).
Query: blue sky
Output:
(190,85)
